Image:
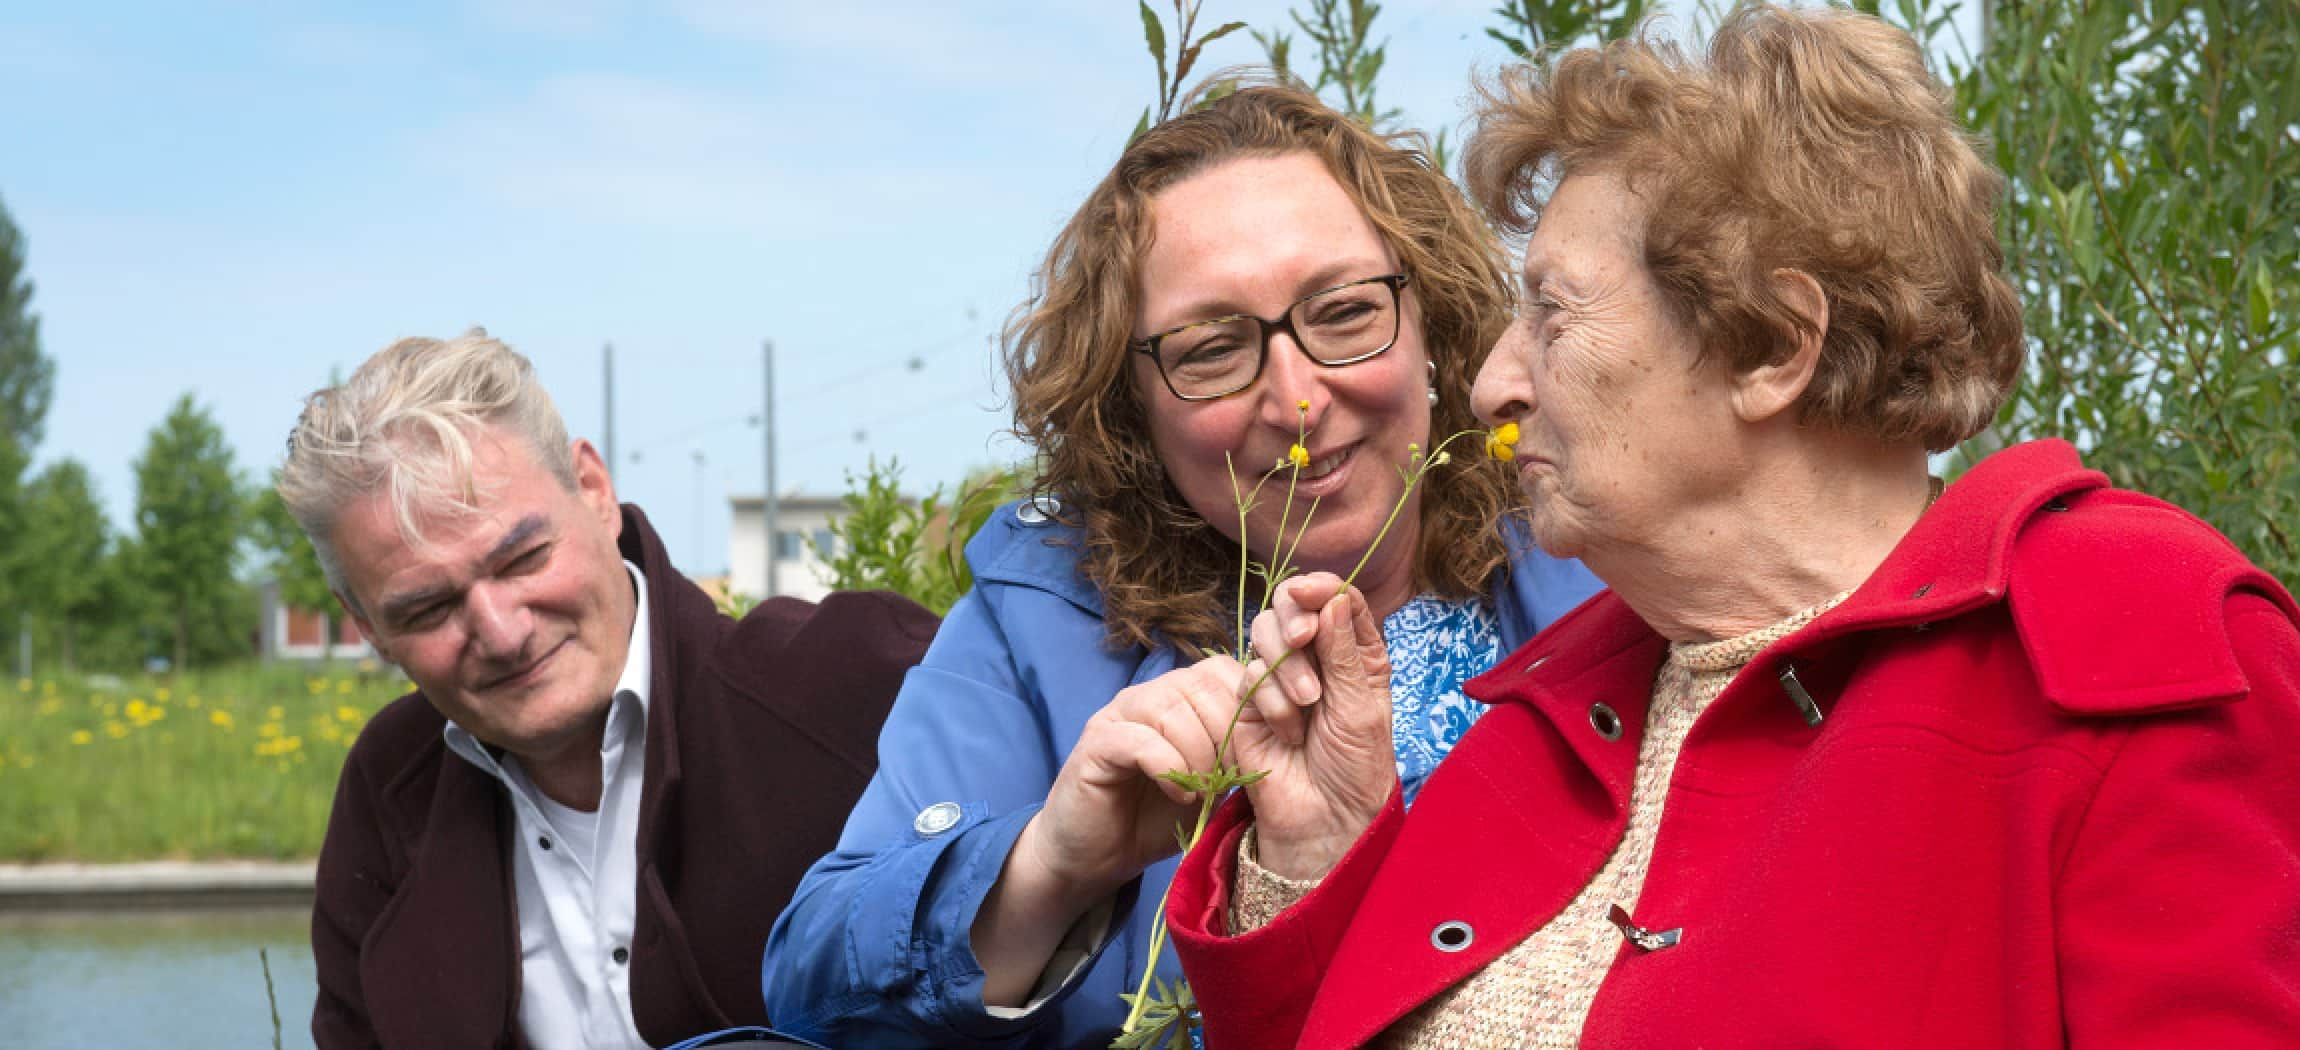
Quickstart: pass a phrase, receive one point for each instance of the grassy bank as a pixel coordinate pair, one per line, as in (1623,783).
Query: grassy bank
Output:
(231,763)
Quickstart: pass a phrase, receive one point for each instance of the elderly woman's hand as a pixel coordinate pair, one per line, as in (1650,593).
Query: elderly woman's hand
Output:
(1320,726)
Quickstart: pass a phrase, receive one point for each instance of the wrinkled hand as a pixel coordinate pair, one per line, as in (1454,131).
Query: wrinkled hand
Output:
(1320,725)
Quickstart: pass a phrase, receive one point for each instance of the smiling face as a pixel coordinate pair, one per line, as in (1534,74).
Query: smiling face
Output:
(1252,236)
(514,621)
(1622,434)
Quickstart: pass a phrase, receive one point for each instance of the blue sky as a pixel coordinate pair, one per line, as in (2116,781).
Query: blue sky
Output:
(235,198)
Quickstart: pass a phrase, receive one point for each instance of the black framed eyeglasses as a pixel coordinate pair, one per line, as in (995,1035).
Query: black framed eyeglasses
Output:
(1218,357)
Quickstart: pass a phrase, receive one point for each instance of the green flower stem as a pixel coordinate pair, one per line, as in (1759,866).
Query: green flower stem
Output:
(1225,770)
(1158,920)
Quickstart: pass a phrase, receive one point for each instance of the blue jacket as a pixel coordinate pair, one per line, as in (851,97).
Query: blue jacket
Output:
(874,948)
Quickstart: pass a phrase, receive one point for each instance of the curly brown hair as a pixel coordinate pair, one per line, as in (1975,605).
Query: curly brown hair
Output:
(1163,570)
(1810,140)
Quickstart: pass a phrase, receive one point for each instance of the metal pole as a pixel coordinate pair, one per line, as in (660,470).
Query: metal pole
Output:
(607,365)
(772,505)
(697,564)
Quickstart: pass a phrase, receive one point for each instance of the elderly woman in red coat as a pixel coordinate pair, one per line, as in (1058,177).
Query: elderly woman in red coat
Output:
(1841,758)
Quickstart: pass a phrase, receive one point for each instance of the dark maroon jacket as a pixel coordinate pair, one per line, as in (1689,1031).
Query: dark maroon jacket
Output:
(760,736)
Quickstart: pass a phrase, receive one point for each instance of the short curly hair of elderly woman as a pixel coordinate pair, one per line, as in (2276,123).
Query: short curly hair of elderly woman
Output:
(1162,569)
(1810,140)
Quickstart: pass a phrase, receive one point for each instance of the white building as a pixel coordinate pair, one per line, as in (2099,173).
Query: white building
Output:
(289,633)
(798,573)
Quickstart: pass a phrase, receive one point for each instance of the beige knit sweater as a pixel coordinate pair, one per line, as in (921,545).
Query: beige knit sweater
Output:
(1537,995)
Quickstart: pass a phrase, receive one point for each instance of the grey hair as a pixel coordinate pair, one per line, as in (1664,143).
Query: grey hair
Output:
(402,426)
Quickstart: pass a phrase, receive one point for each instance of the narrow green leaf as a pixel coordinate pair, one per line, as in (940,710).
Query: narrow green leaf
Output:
(1516,47)
(2261,303)
(1367,69)
(1225,29)
(1153,33)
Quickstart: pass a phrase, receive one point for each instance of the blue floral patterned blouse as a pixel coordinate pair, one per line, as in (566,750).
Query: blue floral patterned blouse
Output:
(1435,645)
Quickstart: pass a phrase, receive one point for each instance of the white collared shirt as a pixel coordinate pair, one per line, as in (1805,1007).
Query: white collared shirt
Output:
(577,874)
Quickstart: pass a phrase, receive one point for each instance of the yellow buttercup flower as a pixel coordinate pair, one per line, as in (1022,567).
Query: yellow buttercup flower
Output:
(220,718)
(1298,456)
(80,737)
(1501,442)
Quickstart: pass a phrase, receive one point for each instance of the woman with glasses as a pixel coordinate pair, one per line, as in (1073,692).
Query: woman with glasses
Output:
(1258,274)
(1843,757)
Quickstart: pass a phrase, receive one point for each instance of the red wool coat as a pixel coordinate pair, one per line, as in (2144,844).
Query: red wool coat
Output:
(2052,802)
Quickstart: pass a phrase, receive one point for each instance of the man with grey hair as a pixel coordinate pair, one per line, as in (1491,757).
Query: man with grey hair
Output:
(579,828)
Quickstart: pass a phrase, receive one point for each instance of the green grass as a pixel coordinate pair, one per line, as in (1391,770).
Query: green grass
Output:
(237,762)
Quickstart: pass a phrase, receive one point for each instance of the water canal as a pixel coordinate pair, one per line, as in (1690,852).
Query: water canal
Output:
(154,978)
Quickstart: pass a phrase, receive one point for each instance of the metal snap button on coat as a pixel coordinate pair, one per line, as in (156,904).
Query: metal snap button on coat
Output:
(1602,719)
(1038,510)
(1452,936)
(936,819)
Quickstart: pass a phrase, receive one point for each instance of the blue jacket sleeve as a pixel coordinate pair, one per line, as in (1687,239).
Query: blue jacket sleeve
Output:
(874,949)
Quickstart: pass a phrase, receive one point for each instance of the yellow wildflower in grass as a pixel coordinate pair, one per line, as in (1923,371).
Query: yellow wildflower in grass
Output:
(81,737)
(346,713)
(220,718)
(1501,442)
(268,730)
(137,708)
(279,746)
(49,705)
(274,713)
(343,685)
(315,685)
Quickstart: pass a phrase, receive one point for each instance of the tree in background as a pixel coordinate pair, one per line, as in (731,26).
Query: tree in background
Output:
(61,572)
(27,381)
(886,542)
(27,376)
(190,515)
(1348,58)
(288,558)
(2153,151)
(1530,28)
